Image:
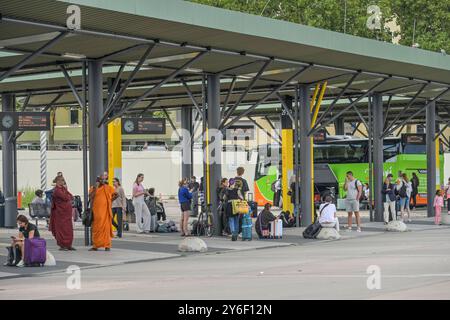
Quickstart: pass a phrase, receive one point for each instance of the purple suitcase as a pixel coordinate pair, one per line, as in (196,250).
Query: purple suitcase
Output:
(35,251)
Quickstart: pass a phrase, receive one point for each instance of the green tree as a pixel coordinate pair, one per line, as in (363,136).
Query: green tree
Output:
(350,16)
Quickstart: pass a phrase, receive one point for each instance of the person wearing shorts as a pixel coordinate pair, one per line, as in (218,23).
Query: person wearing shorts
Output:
(353,187)
(184,198)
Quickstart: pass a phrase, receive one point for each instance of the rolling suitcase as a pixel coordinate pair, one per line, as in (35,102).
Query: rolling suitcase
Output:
(246,227)
(35,252)
(276,229)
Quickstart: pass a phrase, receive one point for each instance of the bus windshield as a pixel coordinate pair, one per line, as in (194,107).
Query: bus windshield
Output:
(345,152)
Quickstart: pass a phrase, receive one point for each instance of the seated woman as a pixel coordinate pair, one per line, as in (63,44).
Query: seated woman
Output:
(27,230)
(39,199)
(327,214)
(263,222)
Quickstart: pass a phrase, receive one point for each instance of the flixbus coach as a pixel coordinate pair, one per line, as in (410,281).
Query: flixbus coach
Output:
(336,155)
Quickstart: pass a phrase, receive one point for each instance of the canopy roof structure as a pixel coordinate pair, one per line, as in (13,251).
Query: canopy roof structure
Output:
(161,44)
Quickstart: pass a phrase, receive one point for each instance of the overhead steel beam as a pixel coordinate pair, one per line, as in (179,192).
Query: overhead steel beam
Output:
(112,92)
(249,87)
(189,92)
(313,131)
(416,113)
(267,96)
(119,52)
(339,96)
(273,127)
(159,85)
(399,88)
(171,123)
(328,78)
(408,106)
(205,49)
(388,108)
(72,87)
(237,67)
(119,95)
(149,107)
(264,130)
(27,59)
(227,99)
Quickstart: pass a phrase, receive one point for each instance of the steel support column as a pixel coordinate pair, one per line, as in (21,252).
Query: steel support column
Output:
(431,156)
(186,151)
(8,104)
(305,157)
(97,138)
(214,154)
(378,171)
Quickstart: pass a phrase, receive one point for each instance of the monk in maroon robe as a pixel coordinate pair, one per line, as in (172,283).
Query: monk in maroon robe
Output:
(61,215)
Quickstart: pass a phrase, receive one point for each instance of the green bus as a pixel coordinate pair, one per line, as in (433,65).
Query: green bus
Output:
(334,156)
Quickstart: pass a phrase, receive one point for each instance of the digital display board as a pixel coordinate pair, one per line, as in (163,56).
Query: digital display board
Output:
(25,121)
(143,126)
(414,138)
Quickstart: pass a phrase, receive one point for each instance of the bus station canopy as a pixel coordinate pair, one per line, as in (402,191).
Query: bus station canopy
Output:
(172,44)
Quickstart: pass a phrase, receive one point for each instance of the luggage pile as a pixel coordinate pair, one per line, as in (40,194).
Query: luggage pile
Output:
(166,227)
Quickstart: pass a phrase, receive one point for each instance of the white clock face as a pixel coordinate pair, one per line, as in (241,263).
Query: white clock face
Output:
(7,122)
(129,126)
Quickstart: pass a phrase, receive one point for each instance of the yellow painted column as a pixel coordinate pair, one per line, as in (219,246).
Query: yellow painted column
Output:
(115,153)
(115,150)
(439,183)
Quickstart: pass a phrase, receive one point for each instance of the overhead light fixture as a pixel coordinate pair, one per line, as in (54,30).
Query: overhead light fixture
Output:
(73,56)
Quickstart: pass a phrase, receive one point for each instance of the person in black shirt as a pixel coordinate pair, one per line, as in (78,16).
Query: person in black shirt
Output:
(27,230)
(222,195)
(240,172)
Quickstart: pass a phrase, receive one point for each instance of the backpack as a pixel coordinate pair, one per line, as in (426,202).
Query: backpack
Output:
(402,191)
(272,186)
(313,230)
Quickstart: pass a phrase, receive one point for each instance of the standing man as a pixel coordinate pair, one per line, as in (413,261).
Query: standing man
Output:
(194,187)
(415,189)
(240,173)
(101,197)
(354,190)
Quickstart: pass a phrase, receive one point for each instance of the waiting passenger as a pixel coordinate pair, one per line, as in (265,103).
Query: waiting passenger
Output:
(61,224)
(327,214)
(27,230)
(353,187)
(389,198)
(140,208)
(222,195)
(404,189)
(262,225)
(234,192)
(119,207)
(39,197)
(438,204)
(184,198)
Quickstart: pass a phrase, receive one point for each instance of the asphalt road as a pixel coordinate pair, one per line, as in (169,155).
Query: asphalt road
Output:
(412,265)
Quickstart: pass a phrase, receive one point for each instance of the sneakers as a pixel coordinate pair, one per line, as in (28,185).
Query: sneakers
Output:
(358,230)
(20,264)
(349,229)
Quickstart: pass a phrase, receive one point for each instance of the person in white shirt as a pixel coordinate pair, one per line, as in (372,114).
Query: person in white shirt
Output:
(327,212)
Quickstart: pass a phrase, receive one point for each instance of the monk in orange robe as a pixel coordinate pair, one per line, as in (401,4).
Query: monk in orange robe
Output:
(102,196)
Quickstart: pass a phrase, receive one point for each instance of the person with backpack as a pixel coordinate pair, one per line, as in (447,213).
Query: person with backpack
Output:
(119,207)
(389,198)
(354,189)
(239,179)
(151,202)
(234,192)
(327,214)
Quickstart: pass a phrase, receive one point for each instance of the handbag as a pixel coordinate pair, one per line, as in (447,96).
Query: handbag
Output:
(239,207)
(88,216)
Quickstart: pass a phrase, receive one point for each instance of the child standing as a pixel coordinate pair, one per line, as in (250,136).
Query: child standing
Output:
(438,204)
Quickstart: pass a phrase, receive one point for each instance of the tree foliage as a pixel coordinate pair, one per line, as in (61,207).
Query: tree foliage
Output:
(432,17)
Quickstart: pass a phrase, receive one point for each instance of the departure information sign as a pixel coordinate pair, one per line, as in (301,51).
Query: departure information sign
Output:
(24,121)
(143,126)
(414,138)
